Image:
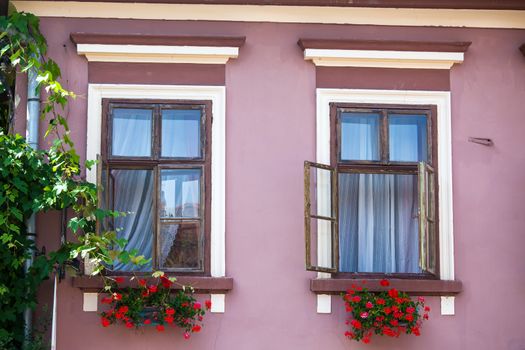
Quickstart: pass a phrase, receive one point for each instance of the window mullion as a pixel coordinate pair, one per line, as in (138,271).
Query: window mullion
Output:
(384,136)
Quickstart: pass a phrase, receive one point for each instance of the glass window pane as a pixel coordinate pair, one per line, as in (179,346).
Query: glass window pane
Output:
(408,137)
(179,245)
(181,133)
(378,223)
(132,193)
(180,193)
(131,132)
(360,136)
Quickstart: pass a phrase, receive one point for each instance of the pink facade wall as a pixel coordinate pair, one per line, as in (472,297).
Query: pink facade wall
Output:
(270,132)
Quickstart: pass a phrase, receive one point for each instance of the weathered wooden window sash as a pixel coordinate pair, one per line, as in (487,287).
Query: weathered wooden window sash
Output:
(321,192)
(157,163)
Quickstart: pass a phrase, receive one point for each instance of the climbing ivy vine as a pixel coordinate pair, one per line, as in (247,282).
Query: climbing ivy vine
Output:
(33,181)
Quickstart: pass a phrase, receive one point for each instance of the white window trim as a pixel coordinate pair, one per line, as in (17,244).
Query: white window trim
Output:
(441,99)
(215,94)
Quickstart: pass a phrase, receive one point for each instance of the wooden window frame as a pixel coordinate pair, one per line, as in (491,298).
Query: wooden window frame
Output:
(156,163)
(385,166)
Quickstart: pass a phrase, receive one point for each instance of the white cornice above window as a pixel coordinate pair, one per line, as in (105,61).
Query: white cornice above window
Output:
(383,54)
(157,49)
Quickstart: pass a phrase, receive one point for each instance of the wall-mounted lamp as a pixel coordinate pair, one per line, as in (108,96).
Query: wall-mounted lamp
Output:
(481,141)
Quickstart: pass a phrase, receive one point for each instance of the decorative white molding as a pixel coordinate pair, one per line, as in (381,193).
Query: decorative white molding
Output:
(217,303)
(157,53)
(90,302)
(441,99)
(383,58)
(324,303)
(215,94)
(278,14)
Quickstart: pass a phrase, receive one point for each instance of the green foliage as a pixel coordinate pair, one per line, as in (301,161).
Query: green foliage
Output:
(34,181)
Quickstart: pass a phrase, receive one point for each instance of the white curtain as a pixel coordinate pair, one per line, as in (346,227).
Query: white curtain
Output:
(378,224)
(133,194)
(131,132)
(181,133)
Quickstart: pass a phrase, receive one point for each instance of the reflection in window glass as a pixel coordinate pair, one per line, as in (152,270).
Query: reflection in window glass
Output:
(180,193)
(181,133)
(131,132)
(360,136)
(407,137)
(179,245)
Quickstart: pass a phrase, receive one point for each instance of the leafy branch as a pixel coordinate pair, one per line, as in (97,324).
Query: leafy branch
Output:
(34,181)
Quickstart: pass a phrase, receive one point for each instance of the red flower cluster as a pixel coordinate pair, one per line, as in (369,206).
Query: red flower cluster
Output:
(153,304)
(389,312)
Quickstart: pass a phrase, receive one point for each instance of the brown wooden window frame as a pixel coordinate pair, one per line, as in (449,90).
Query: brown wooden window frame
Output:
(426,173)
(157,163)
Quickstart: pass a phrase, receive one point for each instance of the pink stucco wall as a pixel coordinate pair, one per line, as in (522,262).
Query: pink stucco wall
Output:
(270,132)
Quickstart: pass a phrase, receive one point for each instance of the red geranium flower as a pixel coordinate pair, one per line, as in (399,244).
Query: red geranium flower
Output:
(197,306)
(165,282)
(123,309)
(369,305)
(169,319)
(380,301)
(142,282)
(186,335)
(384,283)
(410,310)
(356,324)
(170,311)
(105,322)
(117,296)
(425,316)
(393,293)
(152,289)
(160,328)
(119,279)
(147,321)
(348,308)
(196,328)
(364,314)
(409,318)
(356,299)
(366,340)
(427,308)
(129,325)
(208,304)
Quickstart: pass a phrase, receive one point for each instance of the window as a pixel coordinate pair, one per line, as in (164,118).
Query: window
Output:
(156,161)
(372,211)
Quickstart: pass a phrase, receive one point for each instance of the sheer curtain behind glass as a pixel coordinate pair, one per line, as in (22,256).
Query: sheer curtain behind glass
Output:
(378,212)
(133,193)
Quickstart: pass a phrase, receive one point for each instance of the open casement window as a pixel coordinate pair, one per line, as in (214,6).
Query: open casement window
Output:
(384,188)
(156,167)
(427,219)
(320,217)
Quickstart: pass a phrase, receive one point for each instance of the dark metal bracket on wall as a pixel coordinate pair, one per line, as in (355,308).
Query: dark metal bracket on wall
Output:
(481,141)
